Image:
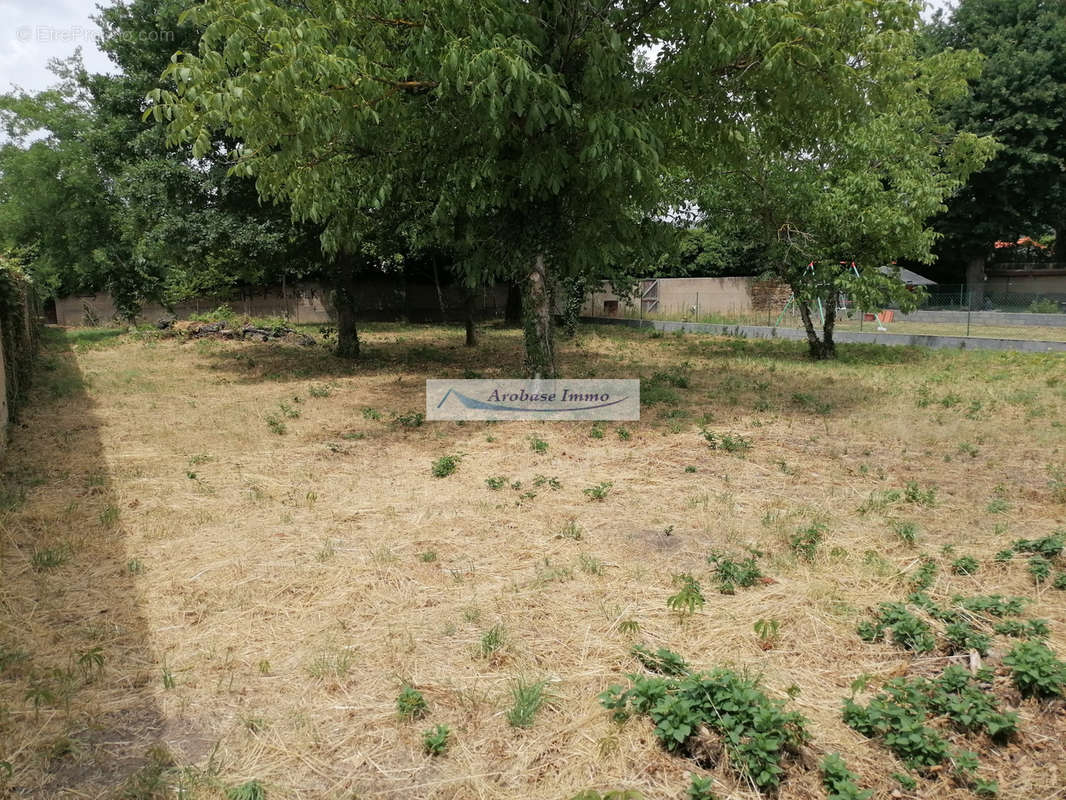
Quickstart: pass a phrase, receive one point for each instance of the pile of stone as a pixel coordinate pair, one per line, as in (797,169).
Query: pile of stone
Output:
(225,330)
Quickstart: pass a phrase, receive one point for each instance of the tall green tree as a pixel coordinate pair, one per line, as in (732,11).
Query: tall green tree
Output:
(1020,99)
(836,212)
(530,136)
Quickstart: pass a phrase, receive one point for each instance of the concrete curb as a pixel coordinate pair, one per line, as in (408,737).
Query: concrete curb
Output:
(841,337)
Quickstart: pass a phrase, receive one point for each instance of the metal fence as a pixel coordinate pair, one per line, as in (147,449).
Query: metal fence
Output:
(943,297)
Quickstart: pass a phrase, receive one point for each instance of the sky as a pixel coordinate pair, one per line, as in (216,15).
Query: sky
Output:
(32,32)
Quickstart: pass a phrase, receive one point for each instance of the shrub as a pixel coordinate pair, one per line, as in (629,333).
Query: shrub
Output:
(411,703)
(446,465)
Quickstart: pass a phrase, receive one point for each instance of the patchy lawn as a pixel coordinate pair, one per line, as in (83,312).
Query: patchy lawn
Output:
(229,566)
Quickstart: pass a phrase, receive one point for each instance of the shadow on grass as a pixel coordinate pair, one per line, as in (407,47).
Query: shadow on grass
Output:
(78,710)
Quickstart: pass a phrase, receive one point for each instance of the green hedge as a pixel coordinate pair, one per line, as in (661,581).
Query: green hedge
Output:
(20,321)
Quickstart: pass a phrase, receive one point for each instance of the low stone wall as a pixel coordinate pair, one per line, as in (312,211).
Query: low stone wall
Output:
(1008,318)
(842,337)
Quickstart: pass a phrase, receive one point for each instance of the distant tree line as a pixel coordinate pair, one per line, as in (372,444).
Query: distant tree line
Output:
(547,144)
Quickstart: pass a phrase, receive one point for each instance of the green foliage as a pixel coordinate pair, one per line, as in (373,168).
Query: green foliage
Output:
(411,704)
(662,661)
(701,788)
(965,565)
(446,465)
(538,445)
(908,631)
(599,491)
(250,790)
(913,493)
(496,483)
(527,698)
(1049,546)
(925,574)
(841,783)
(413,419)
(962,638)
(993,604)
(492,641)
(757,732)
(905,530)
(1040,568)
(805,542)
(689,596)
(435,740)
(1035,670)
(731,573)
(728,442)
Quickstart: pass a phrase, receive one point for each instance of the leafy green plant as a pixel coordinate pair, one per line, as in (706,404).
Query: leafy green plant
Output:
(597,431)
(756,732)
(1035,670)
(701,788)
(925,574)
(371,414)
(1040,569)
(962,638)
(411,704)
(413,419)
(598,492)
(805,543)
(496,483)
(662,661)
(320,390)
(992,604)
(623,433)
(688,598)
(527,698)
(446,465)
(841,783)
(905,530)
(766,630)
(965,565)
(913,493)
(538,445)
(908,631)
(435,740)
(731,573)
(1048,547)
(552,483)
(275,424)
(729,442)
(250,790)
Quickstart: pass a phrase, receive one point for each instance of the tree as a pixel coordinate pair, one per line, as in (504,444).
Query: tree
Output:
(529,136)
(1020,99)
(835,212)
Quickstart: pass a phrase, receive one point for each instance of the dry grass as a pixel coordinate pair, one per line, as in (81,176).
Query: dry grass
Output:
(283,582)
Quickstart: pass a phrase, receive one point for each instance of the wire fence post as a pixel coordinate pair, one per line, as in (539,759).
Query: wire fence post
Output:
(969,310)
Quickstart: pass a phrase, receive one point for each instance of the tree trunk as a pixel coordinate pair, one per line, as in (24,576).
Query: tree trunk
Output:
(829,347)
(440,294)
(575,299)
(344,289)
(815,345)
(471,322)
(537,322)
(512,314)
(975,282)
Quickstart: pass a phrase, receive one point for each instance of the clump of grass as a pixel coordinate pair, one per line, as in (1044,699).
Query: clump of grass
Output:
(527,698)
(590,564)
(492,641)
(48,558)
(571,530)
(427,556)
(446,465)
(275,424)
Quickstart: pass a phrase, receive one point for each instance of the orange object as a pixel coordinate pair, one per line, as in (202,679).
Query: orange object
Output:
(887,316)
